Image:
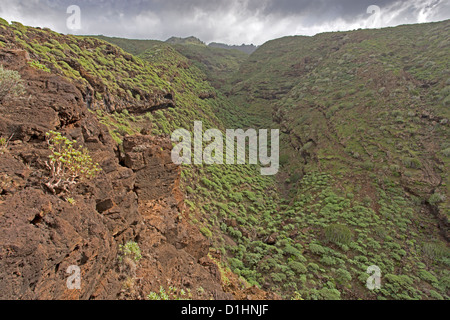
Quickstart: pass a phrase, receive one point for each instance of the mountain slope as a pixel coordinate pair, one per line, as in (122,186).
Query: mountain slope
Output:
(248,49)
(364,117)
(217,63)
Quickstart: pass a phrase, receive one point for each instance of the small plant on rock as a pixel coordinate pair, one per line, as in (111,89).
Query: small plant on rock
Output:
(172,294)
(129,257)
(68,165)
(130,250)
(3,145)
(39,66)
(71,201)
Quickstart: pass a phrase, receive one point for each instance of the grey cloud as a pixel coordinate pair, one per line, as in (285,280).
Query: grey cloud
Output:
(232,21)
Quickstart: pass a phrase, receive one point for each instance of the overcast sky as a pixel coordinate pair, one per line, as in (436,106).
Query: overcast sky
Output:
(228,21)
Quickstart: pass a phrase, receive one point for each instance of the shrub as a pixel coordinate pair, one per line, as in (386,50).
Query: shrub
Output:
(399,283)
(172,294)
(295,177)
(3,145)
(284,160)
(328,261)
(206,232)
(11,84)
(338,234)
(296,296)
(428,277)
(278,277)
(68,165)
(436,198)
(343,276)
(435,295)
(369,166)
(235,264)
(316,248)
(4,22)
(446,152)
(339,95)
(435,251)
(290,250)
(297,267)
(329,294)
(130,250)
(412,163)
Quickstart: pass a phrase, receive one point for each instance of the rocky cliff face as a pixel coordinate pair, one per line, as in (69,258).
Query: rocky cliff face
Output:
(136,197)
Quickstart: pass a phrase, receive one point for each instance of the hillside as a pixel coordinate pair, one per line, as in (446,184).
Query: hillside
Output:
(185,41)
(135,47)
(219,64)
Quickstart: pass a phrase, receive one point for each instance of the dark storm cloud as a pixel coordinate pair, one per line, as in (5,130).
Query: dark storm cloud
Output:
(343,8)
(232,21)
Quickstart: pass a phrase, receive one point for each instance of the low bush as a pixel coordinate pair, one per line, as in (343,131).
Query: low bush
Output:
(68,165)
(11,84)
(436,198)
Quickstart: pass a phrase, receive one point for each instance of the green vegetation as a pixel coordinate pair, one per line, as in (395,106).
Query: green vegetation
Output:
(71,201)
(11,84)
(38,66)
(436,198)
(131,251)
(3,145)
(4,22)
(172,294)
(338,234)
(68,165)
